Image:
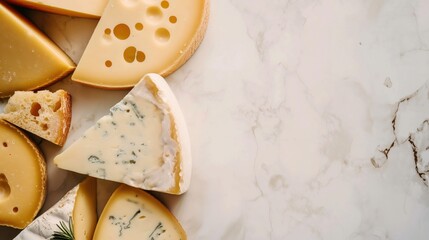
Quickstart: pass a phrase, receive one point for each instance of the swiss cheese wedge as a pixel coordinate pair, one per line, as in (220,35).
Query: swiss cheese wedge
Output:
(28,59)
(134,38)
(142,142)
(75,214)
(133,214)
(22,178)
(78,8)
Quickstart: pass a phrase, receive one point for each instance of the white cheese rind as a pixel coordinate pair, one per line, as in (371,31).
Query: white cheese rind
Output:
(134,143)
(44,226)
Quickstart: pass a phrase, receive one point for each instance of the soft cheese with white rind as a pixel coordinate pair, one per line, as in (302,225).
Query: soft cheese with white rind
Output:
(143,142)
(78,8)
(137,37)
(44,226)
(132,214)
(78,205)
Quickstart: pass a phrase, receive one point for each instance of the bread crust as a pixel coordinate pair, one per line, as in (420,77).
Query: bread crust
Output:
(66,109)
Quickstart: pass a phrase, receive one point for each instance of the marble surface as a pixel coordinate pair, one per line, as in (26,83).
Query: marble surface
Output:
(308,119)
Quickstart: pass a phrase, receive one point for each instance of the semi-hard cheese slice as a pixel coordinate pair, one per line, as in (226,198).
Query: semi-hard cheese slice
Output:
(28,59)
(134,38)
(22,178)
(75,213)
(132,214)
(143,142)
(78,8)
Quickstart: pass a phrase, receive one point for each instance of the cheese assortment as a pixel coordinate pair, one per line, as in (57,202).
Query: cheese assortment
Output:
(28,60)
(134,38)
(74,215)
(142,142)
(79,8)
(132,214)
(22,178)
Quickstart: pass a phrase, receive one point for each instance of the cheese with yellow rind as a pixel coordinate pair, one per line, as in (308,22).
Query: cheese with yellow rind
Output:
(134,38)
(22,178)
(78,8)
(132,214)
(84,214)
(29,60)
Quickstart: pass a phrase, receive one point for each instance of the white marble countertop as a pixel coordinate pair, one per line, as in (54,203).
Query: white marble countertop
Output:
(308,119)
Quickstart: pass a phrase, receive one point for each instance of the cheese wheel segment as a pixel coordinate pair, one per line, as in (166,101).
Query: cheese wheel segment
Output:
(134,38)
(132,214)
(29,60)
(143,142)
(22,178)
(78,8)
(75,212)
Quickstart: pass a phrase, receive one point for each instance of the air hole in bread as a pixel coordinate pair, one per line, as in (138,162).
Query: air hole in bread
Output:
(57,106)
(15,209)
(4,144)
(35,107)
(44,126)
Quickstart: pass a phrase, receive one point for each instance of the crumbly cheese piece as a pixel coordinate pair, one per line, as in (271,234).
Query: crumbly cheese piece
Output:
(28,59)
(77,206)
(134,38)
(78,8)
(143,142)
(43,113)
(134,214)
(22,178)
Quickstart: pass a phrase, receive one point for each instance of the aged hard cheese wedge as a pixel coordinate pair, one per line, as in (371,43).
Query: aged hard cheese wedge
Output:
(44,113)
(28,59)
(134,38)
(132,214)
(143,142)
(22,178)
(76,212)
(79,8)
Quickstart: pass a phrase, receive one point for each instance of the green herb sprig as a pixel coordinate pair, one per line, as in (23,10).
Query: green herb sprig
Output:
(65,231)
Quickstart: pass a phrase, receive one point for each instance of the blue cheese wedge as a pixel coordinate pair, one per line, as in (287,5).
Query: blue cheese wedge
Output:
(74,214)
(143,142)
(132,214)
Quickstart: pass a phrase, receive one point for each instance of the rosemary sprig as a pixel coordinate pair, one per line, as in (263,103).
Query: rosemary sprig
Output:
(65,232)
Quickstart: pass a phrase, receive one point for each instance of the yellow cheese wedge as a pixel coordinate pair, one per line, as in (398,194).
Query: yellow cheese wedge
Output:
(132,214)
(85,210)
(22,178)
(28,59)
(78,8)
(134,38)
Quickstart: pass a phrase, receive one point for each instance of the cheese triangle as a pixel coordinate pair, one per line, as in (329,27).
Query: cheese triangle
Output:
(134,38)
(143,142)
(132,214)
(78,8)
(76,211)
(28,59)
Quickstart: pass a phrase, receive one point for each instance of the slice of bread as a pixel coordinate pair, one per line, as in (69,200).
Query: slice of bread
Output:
(43,113)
